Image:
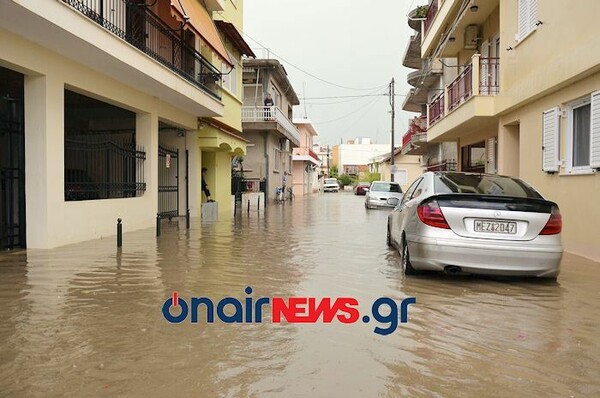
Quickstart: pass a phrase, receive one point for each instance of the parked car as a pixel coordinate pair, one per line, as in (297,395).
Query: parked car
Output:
(476,223)
(331,185)
(362,188)
(380,192)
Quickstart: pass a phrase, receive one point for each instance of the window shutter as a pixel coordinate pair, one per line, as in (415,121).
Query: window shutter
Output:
(595,131)
(523,21)
(491,156)
(532,17)
(550,132)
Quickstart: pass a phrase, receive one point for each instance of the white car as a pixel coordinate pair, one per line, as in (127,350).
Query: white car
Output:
(380,192)
(331,185)
(476,224)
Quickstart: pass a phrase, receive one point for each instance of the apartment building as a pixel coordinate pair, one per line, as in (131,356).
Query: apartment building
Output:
(268,125)
(99,108)
(524,98)
(221,138)
(305,162)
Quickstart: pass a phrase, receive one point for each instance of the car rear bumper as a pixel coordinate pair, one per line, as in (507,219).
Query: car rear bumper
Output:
(484,257)
(331,189)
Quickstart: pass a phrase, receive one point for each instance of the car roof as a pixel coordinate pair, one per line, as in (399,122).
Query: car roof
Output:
(387,182)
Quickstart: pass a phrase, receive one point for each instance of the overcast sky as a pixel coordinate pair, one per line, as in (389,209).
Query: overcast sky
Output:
(344,42)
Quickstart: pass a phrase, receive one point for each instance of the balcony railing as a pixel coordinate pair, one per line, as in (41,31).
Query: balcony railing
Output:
(417,129)
(485,71)
(436,109)
(431,13)
(446,165)
(132,21)
(270,114)
(489,83)
(461,88)
(306,151)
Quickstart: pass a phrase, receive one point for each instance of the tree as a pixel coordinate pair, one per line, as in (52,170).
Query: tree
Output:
(333,171)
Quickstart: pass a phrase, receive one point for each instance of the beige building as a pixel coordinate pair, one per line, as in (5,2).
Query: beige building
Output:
(406,168)
(523,99)
(305,162)
(99,109)
(269,128)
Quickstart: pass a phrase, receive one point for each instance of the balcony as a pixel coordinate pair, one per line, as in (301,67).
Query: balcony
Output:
(305,154)
(269,118)
(412,55)
(143,29)
(432,11)
(414,141)
(462,91)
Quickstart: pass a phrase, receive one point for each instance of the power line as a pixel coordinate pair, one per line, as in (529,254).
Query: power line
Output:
(351,113)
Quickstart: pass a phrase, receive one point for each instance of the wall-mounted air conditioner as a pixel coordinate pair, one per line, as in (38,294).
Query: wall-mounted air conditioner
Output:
(471,37)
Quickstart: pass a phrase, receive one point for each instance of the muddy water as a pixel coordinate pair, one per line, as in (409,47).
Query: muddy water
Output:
(85,320)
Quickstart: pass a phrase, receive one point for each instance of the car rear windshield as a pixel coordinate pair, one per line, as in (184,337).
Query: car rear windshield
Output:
(483,185)
(385,187)
(330,181)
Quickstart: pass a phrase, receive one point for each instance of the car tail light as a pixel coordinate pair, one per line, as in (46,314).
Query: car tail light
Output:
(431,214)
(554,224)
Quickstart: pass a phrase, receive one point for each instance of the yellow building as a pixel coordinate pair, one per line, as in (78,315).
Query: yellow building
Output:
(220,138)
(523,98)
(99,108)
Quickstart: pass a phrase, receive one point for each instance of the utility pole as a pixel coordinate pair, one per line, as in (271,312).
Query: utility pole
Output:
(393,114)
(328,169)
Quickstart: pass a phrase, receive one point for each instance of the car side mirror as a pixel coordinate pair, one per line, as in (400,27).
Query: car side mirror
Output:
(393,201)
(366,189)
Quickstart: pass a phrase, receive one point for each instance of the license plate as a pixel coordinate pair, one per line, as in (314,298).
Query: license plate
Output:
(496,227)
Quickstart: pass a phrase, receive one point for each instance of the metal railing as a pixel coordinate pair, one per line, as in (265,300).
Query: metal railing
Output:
(103,168)
(489,76)
(270,114)
(168,182)
(416,127)
(132,21)
(431,13)
(306,151)
(461,88)
(436,109)
(447,165)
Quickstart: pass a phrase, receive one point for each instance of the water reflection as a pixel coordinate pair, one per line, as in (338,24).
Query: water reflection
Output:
(84,320)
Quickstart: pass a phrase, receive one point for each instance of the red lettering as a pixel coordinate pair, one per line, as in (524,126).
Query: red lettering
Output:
(347,305)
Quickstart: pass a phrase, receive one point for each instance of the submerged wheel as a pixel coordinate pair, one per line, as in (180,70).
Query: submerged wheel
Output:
(388,239)
(406,265)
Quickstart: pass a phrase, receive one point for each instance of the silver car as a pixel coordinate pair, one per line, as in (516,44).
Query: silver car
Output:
(380,192)
(476,223)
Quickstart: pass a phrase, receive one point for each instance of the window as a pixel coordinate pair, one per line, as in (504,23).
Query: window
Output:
(401,176)
(277,156)
(410,191)
(230,79)
(583,134)
(482,184)
(528,18)
(102,159)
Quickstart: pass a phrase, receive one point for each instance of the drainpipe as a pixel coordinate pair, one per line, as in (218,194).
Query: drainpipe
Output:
(266,140)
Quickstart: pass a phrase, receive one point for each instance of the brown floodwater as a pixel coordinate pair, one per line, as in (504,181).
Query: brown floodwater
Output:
(85,319)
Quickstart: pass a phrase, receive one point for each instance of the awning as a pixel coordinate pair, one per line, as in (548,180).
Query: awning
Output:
(201,22)
(236,38)
(218,136)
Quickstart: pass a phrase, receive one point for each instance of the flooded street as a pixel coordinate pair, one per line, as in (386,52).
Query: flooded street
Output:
(85,320)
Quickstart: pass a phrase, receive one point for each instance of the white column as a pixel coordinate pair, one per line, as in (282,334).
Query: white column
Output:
(193,147)
(146,135)
(44,159)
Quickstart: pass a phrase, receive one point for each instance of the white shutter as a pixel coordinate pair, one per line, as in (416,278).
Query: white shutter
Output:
(532,17)
(550,130)
(595,131)
(491,156)
(523,20)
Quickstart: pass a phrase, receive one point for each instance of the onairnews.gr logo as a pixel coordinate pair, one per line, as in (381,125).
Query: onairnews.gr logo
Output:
(386,311)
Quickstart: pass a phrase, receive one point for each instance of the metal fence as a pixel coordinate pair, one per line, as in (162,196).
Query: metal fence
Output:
(133,22)
(168,182)
(103,167)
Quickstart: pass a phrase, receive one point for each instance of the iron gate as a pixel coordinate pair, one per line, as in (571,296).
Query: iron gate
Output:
(168,182)
(12,161)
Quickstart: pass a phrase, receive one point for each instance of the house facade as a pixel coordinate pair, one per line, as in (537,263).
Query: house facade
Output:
(269,129)
(354,157)
(98,102)
(406,168)
(525,99)
(220,138)
(305,162)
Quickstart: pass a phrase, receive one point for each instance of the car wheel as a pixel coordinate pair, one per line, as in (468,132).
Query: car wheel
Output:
(388,239)
(408,268)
